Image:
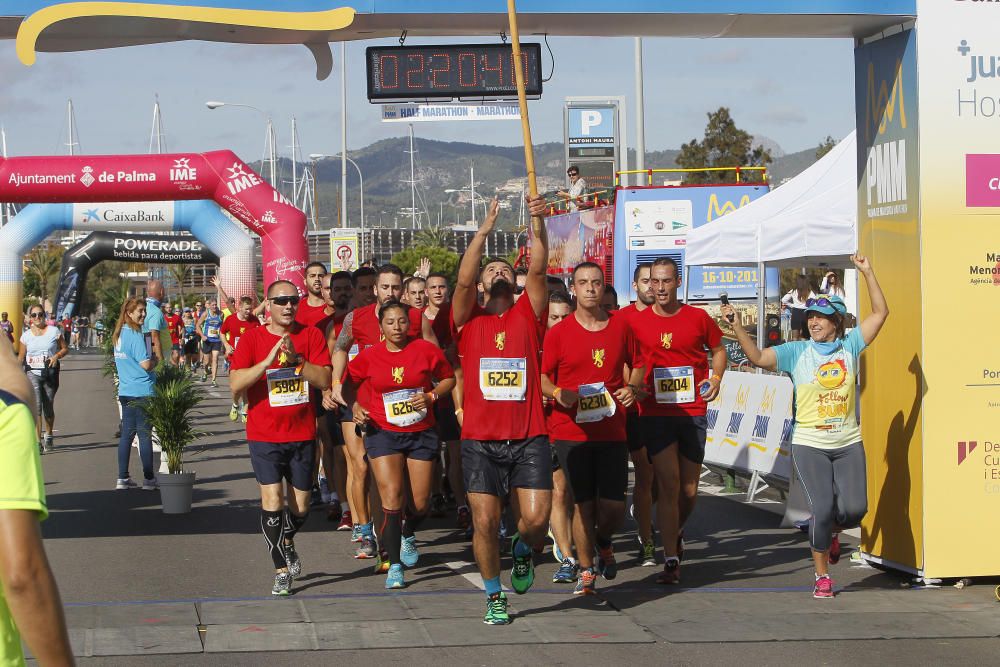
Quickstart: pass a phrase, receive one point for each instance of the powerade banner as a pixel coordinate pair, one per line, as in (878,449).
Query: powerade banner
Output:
(99,246)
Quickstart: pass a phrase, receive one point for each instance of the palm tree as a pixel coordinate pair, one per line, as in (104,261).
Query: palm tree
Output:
(435,236)
(44,262)
(180,273)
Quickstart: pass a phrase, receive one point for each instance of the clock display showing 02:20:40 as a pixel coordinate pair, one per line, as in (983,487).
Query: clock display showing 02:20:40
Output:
(450,71)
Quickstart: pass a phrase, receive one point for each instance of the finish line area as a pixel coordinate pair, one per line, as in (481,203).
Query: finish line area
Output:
(137,582)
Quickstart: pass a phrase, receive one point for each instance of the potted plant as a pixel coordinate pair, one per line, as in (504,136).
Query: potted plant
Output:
(170,411)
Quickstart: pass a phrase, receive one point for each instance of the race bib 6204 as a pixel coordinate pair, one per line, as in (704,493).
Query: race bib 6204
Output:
(674,385)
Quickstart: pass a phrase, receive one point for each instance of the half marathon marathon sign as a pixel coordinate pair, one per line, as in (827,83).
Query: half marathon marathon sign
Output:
(410,113)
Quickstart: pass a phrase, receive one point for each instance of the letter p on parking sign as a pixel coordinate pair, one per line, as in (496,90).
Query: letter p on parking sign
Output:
(589,119)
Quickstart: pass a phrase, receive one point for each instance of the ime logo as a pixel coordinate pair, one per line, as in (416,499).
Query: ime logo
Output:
(964,449)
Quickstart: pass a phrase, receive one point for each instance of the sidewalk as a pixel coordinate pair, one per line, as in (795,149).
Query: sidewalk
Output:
(138,582)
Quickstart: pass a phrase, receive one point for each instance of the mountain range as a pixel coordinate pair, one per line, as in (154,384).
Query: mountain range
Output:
(441,166)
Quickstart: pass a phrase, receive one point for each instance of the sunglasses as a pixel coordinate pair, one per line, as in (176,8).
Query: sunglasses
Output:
(285,300)
(33,315)
(823,302)
(572,173)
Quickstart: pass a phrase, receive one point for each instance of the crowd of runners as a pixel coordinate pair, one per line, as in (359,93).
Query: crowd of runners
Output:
(508,396)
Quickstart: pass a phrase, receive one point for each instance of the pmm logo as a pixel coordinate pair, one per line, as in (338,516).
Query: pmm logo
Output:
(964,449)
(717,211)
(884,98)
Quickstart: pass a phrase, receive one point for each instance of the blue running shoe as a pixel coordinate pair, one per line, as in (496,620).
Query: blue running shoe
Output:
(567,573)
(356,532)
(408,551)
(395,577)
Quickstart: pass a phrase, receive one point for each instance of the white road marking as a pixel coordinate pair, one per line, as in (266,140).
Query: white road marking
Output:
(472,577)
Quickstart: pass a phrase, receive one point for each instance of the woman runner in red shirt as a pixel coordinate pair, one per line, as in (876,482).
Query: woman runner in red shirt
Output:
(400,438)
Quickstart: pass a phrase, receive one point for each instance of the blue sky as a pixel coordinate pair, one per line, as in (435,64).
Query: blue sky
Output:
(795,91)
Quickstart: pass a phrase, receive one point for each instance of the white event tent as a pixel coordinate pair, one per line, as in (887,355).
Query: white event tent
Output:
(810,220)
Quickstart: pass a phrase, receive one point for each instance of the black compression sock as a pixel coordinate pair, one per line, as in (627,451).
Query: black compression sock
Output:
(391,533)
(293,523)
(273,526)
(411,523)
(603,542)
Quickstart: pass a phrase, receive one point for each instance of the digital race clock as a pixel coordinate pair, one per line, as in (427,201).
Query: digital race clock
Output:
(454,71)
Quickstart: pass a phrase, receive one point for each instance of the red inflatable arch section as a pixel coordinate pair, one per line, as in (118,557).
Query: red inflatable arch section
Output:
(218,175)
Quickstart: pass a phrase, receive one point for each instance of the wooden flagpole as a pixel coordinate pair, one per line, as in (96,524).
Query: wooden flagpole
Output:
(522,98)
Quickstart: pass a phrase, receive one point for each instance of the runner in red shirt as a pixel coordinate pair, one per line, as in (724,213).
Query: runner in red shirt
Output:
(312,310)
(175,325)
(276,365)
(642,489)
(505,446)
(675,340)
(582,370)
(233,328)
(337,290)
(404,379)
(437,328)
(361,330)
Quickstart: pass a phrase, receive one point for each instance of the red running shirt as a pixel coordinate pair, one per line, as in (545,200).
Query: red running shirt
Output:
(233,328)
(392,377)
(174,321)
(280,410)
(501,354)
(368,332)
(338,323)
(628,315)
(309,315)
(675,354)
(442,325)
(573,357)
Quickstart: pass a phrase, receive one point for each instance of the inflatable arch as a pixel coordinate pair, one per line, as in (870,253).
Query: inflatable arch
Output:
(219,176)
(227,246)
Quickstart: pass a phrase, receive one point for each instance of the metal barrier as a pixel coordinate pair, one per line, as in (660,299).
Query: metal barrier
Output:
(649,173)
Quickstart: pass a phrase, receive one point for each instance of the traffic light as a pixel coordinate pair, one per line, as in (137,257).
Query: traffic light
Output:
(772,330)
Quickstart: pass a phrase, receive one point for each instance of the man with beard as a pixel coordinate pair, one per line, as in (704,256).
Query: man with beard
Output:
(338,289)
(361,330)
(505,449)
(642,492)
(312,310)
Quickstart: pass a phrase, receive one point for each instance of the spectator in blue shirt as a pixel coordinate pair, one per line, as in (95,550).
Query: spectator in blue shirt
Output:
(134,360)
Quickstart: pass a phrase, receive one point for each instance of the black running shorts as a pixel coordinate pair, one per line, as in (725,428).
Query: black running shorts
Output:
(632,432)
(494,467)
(421,446)
(292,461)
(594,469)
(688,432)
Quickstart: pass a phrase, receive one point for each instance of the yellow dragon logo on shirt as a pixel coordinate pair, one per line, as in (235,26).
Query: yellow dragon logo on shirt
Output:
(666,339)
(598,357)
(500,340)
(397,374)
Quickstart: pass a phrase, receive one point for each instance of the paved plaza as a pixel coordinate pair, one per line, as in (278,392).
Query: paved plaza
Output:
(141,587)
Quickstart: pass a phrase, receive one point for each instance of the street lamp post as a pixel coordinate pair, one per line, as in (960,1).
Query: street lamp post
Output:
(361,179)
(272,156)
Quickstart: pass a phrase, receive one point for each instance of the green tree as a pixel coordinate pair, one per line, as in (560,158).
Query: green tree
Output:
(825,146)
(442,260)
(724,145)
(43,264)
(435,236)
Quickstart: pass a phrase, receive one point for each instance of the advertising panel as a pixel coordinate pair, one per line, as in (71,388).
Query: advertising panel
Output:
(583,236)
(750,423)
(959,97)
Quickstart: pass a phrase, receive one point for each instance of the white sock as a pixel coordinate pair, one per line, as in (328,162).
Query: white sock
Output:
(345,506)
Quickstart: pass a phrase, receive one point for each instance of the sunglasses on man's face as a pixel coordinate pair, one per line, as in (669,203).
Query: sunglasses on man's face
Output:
(572,173)
(33,315)
(285,300)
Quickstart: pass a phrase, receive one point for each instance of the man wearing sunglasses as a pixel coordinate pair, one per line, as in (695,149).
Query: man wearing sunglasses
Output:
(276,364)
(577,188)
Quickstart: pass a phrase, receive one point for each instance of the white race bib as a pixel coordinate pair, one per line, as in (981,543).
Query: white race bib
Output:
(596,403)
(353,352)
(674,385)
(213,332)
(236,341)
(398,410)
(37,361)
(285,388)
(503,379)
